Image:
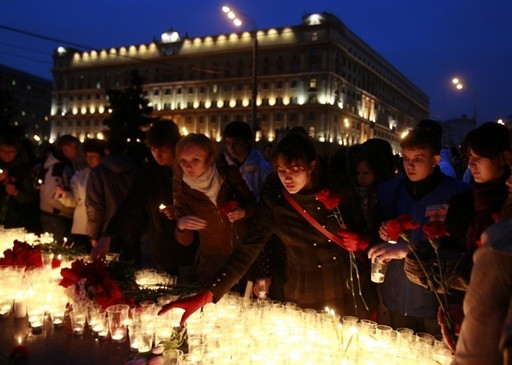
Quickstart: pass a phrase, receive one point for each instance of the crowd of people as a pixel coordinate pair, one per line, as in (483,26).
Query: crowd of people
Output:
(292,226)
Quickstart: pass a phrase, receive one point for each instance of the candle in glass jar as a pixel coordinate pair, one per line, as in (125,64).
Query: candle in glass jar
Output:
(5,309)
(102,334)
(118,336)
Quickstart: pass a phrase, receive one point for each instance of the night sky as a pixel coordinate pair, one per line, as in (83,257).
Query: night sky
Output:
(429,41)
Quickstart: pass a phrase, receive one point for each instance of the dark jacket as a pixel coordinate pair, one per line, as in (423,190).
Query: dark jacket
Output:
(425,201)
(140,213)
(107,187)
(318,270)
(16,211)
(219,239)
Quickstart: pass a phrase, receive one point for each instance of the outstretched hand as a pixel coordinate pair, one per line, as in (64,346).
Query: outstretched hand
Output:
(189,304)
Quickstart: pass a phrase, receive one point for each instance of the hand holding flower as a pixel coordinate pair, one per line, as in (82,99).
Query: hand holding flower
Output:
(353,241)
(236,215)
(456,315)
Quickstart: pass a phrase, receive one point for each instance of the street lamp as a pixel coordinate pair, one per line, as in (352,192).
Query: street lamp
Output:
(459,85)
(238,22)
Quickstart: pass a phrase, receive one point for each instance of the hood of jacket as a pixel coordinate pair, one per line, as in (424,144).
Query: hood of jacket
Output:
(446,154)
(251,163)
(499,236)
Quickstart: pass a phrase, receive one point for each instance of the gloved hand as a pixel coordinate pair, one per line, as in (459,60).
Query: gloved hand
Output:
(353,241)
(189,304)
(450,335)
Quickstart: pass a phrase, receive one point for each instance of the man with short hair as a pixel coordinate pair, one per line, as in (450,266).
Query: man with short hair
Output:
(142,212)
(424,193)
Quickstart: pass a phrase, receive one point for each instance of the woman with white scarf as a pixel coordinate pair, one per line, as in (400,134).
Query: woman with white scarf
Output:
(211,199)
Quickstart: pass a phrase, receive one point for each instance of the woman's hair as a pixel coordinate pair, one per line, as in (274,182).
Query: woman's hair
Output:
(199,140)
(488,140)
(295,149)
(376,162)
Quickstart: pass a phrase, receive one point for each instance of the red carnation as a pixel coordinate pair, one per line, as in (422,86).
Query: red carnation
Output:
(435,230)
(396,227)
(328,199)
(228,207)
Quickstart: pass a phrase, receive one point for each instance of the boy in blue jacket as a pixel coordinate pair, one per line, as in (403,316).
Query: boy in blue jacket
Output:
(424,193)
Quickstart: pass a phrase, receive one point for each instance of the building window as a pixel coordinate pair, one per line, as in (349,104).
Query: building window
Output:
(167,91)
(156,92)
(314,36)
(179,90)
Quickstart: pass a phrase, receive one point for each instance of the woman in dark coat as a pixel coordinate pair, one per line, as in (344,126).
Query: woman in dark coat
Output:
(318,269)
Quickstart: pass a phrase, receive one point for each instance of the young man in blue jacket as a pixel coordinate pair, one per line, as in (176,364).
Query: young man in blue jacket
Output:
(423,192)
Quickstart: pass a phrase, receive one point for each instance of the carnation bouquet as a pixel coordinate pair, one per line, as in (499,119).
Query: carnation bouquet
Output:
(88,282)
(331,202)
(433,274)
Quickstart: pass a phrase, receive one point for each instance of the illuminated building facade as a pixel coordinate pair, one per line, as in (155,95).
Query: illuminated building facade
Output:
(318,75)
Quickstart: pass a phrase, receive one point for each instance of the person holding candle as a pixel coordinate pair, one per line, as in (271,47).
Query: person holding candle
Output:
(318,269)
(94,150)
(424,193)
(144,209)
(57,170)
(211,200)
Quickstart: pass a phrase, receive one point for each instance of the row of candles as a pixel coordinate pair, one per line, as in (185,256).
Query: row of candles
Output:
(233,331)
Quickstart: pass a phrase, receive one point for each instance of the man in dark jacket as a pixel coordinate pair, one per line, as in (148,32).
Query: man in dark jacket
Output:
(107,187)
(16,188)
(142,209)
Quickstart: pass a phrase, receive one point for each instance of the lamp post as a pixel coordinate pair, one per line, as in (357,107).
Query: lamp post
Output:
(238,22)
(459,85)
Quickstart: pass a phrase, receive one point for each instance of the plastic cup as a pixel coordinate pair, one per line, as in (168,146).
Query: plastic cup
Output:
(378,271)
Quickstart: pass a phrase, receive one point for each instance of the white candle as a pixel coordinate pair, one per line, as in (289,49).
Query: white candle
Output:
(20,308)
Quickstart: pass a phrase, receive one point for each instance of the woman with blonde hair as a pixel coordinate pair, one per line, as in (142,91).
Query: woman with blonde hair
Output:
(212,199)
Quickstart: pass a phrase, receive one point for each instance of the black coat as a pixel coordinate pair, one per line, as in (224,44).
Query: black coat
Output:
(318,270)
(139,213)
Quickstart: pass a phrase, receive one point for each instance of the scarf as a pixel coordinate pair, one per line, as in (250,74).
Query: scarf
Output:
(420,189)
(489,199)
(208,183)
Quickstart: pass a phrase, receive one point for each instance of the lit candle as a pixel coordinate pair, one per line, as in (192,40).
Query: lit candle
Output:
(118,336)
(161,207)
(102,334)
(5,309)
